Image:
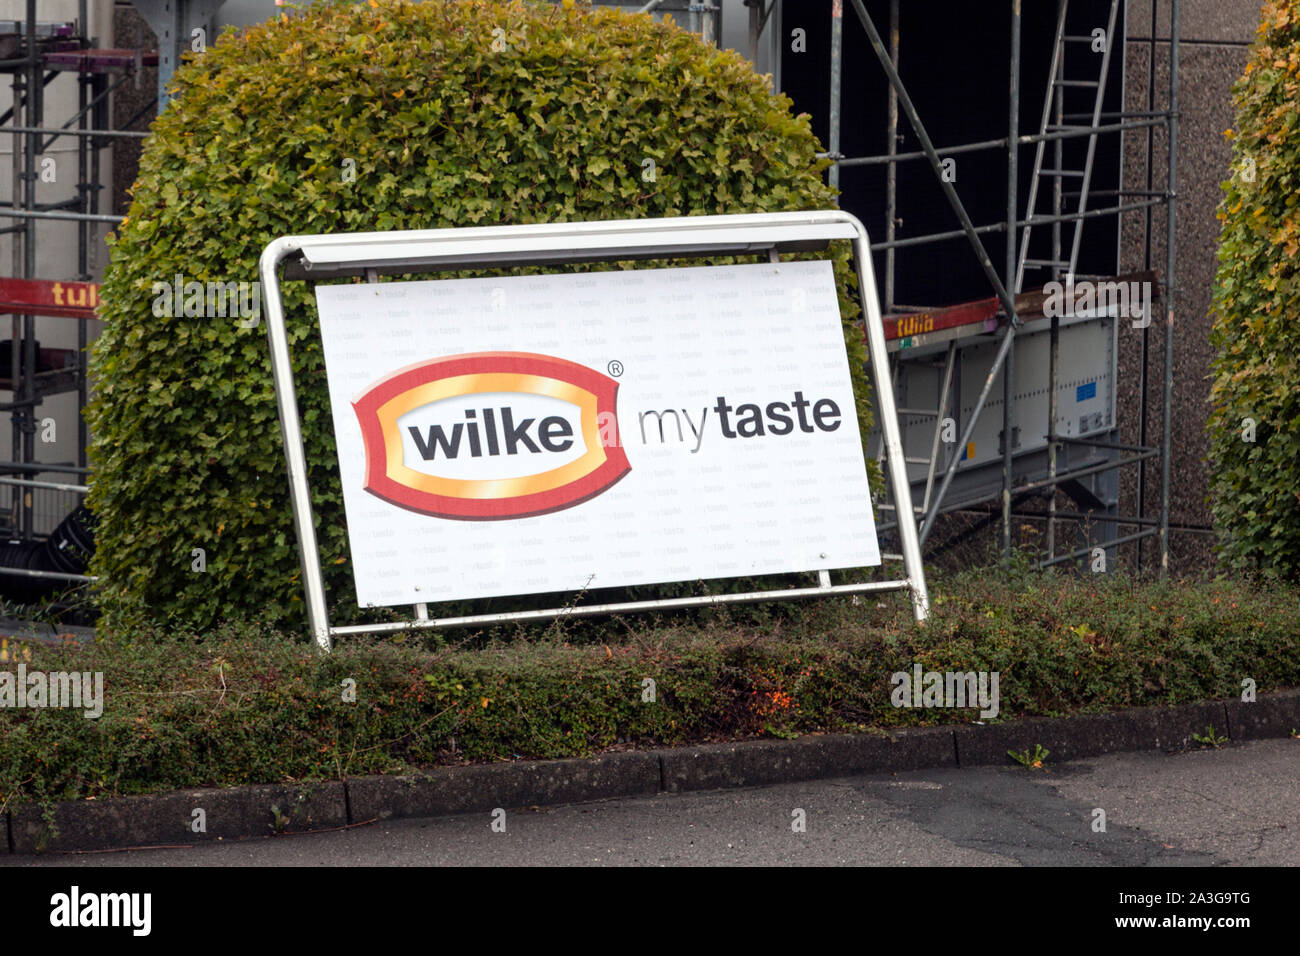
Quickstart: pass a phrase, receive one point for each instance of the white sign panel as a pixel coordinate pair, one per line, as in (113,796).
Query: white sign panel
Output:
(559,432)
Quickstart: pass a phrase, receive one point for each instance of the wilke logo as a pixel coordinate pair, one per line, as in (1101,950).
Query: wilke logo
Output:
(491,435)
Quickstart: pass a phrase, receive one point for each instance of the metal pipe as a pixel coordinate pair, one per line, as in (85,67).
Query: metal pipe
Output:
(1031,221)
(52,485)
(1112,543)
(837,54)
(1065,439)
(1084,472)
(891,171)
(291,437)
(755,28)
(27,393)
(1013,189)
(1146,329)
(593,610)
(1053,367)
(1027,139)
(1094,516)
(17,82)
(899,486)
(1056,98)
(64,216)
(1166,438)
(21,466)
(56,575)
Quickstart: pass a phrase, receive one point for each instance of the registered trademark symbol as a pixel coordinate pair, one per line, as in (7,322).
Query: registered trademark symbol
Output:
(615,368)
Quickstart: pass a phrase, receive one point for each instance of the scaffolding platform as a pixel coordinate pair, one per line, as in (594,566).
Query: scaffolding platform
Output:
(917,329)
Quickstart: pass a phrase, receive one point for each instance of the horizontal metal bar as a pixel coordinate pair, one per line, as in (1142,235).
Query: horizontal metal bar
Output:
(1120,192)
(935,237)
(1100,444)
(1060,478)
(1084,472)
(6,466)
(52,485)
(1112,543)
(1098,517)
(322,256)
(884,158)
(594,610)
(1001,226)
(1028,139)
(55,575)
(1091,213)
(1111,114)
(60,131)
(67,216)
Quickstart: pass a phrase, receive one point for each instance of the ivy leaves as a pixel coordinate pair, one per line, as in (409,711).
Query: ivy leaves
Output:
(1254,425)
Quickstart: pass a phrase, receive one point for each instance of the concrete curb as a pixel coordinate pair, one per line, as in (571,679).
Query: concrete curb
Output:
(168,819)
(247,812)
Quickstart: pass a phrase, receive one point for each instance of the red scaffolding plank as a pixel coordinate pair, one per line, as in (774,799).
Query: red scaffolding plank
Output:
(72,300)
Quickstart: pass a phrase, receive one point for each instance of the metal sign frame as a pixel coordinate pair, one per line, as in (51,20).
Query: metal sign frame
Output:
(436,250)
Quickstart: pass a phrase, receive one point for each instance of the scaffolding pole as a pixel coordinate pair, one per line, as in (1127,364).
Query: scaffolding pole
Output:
(1171,184)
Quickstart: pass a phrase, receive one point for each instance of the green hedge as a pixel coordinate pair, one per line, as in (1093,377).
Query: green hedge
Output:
(441,129)
(1255,485)
(244,705)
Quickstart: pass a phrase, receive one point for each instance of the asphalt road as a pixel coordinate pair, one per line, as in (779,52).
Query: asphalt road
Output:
(1239,805)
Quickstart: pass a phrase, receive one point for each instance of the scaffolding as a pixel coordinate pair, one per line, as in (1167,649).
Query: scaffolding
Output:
(1004,316)
(34,53)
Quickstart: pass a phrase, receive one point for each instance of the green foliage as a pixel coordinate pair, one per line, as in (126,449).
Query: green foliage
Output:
(1255,485)
(1031,761)
(441,130)
(245,705)
(1210,738)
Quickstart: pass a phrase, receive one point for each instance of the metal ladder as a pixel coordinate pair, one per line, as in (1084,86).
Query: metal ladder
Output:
(1054,103)
(1053,108)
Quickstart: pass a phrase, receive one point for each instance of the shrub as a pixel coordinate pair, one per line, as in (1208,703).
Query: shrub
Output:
(238,706)
(440,129)
(1256,335)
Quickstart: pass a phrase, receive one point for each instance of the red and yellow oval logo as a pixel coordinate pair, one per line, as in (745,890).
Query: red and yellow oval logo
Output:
(491,435)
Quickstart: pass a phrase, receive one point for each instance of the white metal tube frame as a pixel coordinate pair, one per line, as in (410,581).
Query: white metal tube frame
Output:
(433,250)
